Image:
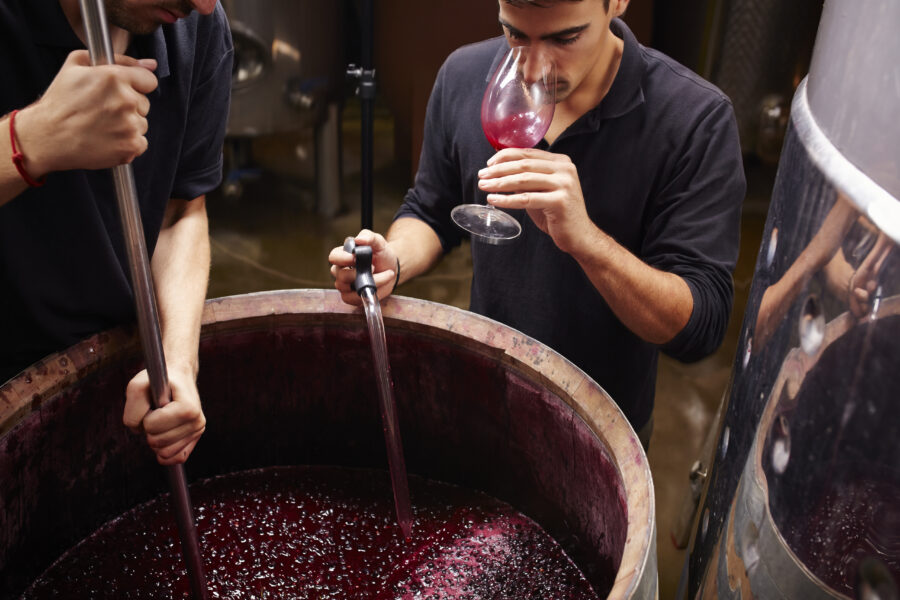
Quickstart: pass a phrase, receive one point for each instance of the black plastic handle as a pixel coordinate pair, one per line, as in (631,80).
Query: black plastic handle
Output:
(363,256)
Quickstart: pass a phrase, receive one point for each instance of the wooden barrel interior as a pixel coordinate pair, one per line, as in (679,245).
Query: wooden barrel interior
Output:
(287,378)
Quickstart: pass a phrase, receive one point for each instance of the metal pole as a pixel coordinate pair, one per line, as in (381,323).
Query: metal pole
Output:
(100,47)
(367,95)
(365,74)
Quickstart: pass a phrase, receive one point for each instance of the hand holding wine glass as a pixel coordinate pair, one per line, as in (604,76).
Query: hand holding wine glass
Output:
(516,112)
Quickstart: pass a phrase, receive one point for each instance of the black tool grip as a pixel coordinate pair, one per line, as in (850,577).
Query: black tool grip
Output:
(363,256)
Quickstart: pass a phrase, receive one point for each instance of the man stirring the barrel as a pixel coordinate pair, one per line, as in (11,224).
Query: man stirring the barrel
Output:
(163,108)
(629,207)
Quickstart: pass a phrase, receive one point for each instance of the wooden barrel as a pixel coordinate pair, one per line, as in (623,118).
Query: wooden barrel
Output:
(287,379)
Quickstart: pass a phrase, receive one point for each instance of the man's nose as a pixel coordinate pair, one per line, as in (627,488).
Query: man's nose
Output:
(535,64)
(204,7)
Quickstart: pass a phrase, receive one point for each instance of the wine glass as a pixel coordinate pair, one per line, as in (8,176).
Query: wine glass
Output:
(515,113)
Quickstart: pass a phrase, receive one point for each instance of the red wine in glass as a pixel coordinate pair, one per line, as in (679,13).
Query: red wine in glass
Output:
(516,112)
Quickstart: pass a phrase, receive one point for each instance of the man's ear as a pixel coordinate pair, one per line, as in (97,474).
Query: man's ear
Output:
(617,7)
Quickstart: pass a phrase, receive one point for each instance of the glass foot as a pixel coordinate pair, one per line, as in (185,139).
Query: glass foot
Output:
(486,223)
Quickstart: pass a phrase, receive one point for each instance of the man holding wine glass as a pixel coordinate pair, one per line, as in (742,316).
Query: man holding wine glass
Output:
(629,206)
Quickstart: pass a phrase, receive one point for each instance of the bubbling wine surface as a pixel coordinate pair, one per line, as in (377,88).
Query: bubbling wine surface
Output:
(323,533)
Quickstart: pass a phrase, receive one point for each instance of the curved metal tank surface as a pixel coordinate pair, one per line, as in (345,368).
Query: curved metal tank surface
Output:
(287,78)
(802,499)
(288,64)
(287,378)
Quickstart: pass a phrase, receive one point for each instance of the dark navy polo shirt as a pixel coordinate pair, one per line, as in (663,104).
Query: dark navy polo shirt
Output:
(63,266)
(661,172)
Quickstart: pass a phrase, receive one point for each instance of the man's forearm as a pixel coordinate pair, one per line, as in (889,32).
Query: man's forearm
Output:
(653,304)
(416,246)
(180,267)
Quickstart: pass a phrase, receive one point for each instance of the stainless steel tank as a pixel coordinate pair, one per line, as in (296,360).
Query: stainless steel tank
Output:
(288,63)
(756,51)
(758,65)
(802,498)
(288,77)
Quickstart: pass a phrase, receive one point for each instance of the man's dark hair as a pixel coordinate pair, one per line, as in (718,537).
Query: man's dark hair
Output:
(544,3)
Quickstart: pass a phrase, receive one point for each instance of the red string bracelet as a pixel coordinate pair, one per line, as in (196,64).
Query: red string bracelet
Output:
(17,157)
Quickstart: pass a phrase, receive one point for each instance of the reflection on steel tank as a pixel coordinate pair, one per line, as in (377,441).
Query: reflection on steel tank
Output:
(288,77)
(802,497)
